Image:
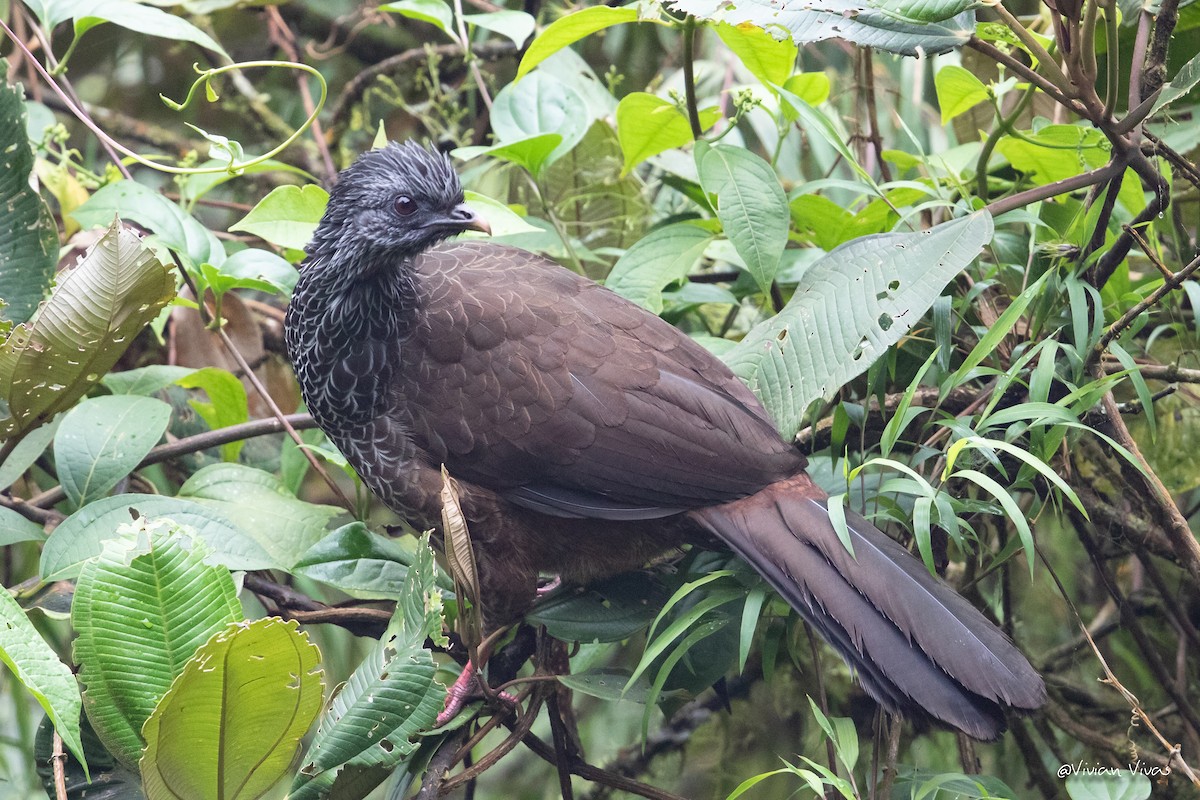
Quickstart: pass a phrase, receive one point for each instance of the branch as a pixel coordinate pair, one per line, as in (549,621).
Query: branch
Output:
(1065,186)
(1168,285)
(192,444)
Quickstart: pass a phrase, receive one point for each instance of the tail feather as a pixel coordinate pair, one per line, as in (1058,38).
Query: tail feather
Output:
(919,648)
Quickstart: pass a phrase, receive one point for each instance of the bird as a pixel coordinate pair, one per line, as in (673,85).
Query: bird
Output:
(585,436)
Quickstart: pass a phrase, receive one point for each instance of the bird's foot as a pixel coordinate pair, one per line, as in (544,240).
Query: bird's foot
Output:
(549,586)
(463,689)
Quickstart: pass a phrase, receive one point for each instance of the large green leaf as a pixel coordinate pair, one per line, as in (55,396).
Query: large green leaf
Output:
(360,563)
(392,695)
(750,204)
(647,125)
(102,440)
(287,216)
(81,536)
(769,59)
(567,30)
(141,609)
(262,507)
(137,17)
(907,27)
(28,235)
(172,225)
(231,724)
(92,316)
(663,257)
(538,105)
(852,305)
(39,670)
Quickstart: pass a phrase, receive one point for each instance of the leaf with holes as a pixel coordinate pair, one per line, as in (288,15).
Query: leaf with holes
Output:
(231,724)
(141,609)
(853,304)
(92,316)
(28,235)
(392,696)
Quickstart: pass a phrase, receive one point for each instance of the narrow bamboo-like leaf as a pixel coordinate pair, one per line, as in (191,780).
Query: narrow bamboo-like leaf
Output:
(567,30)
(853,304)
(750,204)
(987,345)
(683,623)
(1010,507)
(141,609)
(101,440)
(900,418)
(28,235)
(40,672)
(750,611)
(80,332)
(231,723)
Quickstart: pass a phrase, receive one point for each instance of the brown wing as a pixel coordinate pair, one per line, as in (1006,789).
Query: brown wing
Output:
(526,378)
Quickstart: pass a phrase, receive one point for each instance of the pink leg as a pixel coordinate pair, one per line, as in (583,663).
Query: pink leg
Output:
(463,689)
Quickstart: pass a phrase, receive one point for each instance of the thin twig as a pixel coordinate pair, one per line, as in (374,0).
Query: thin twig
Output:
(59,759)
(1126,319)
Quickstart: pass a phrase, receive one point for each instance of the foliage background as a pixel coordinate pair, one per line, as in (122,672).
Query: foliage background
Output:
(1049,380)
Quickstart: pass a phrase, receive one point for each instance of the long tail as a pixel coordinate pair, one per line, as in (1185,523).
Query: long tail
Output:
(920,649)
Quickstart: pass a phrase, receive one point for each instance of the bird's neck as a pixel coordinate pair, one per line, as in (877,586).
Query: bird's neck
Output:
(345,335)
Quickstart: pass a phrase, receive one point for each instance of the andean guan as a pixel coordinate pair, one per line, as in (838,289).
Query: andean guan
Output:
(586,436)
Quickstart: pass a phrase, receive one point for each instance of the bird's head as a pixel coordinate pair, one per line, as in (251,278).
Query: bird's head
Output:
(391,204)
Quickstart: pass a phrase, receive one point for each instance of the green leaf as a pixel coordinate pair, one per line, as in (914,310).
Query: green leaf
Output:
(28,451)
(907,27)
(259,504)
(750,204)
(360,563)
(101,440)
(1011,509)
(647,125)
(145,380)
(958,91)
(81,536)
(768,58)
(390,698)
(136,17)
(663,257)
(530,153)
(140,611)
(231,724)
(435,12)
(15,528)
(608,611)
(502,219)
(567,30)
(811,87)
(516,25)
(79,333)
(28,234)
(227,403)
(607,683)
(262,270)
(987,345)
(287,216)
(854,303)
(173,226)
(1184,81)
(539,105)
(36,667)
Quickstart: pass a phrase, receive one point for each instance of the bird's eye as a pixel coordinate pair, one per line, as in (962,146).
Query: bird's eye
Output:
(405,205)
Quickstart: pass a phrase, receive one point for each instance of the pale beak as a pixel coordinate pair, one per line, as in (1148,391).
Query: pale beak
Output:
(465,218)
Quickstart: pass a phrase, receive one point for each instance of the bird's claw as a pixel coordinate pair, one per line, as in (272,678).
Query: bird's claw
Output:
(462,690)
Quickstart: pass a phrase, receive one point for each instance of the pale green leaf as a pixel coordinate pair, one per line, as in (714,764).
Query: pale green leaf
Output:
(103,439)
(287,216)
(231,724)
(567,30)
